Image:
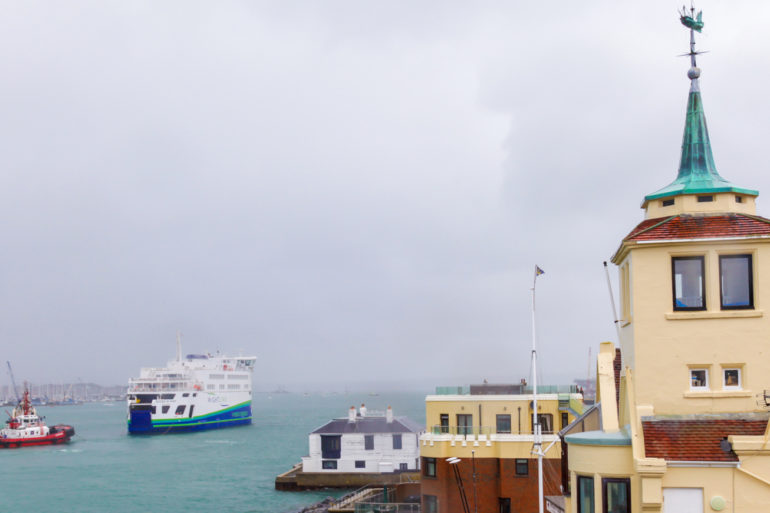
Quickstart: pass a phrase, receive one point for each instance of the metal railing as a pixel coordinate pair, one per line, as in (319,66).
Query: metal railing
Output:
(480,430)
(387,507)
(541,389)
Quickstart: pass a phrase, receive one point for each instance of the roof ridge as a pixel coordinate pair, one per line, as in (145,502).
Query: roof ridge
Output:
(651,227)
(754,217)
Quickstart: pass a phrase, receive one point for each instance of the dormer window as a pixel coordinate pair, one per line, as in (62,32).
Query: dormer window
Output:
(688,283)
(736,282)
(705,199)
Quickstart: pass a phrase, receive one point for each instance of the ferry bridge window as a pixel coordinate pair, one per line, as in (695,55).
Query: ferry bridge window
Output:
(164,409)
(504,423)
(180,409)
(688,283)
(369,442)
(735,282)
(397,441)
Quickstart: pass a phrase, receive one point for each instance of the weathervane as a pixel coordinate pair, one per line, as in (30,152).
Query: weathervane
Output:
(694,23)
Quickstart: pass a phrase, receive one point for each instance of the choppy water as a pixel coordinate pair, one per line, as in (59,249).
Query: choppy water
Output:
(105,470)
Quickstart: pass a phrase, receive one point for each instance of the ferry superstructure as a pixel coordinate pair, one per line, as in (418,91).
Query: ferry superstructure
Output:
(197,392)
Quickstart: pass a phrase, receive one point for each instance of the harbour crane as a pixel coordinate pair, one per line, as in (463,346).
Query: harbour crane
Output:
(13,382)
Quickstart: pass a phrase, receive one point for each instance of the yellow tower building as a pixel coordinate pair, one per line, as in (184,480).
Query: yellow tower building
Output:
(690,431)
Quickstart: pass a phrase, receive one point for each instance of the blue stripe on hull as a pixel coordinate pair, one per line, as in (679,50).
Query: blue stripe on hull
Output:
(141,422)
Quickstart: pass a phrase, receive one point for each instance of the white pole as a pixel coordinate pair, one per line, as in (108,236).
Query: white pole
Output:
(537,438)
(615,319)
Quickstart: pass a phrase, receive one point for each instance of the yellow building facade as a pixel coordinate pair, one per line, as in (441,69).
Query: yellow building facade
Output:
(490,435)
(690,431)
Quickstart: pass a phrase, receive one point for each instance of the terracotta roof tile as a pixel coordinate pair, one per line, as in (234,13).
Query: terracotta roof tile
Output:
(700,227)
(695,440)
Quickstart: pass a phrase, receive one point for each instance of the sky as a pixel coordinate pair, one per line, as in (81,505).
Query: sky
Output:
(355,192)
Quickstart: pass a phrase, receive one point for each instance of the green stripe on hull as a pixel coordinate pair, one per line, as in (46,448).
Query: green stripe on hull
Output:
(200,419)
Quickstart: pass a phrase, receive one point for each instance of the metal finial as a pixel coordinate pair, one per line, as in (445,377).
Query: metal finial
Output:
(695,24)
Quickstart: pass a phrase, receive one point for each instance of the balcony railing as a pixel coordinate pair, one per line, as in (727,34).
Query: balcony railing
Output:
(526,390)
(481,431)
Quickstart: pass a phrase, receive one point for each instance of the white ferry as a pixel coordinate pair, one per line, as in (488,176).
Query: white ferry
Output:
(200,391)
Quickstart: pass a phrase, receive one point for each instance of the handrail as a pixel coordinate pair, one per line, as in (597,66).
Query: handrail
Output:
(478,430)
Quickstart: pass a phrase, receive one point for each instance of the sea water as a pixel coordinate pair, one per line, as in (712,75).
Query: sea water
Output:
(104,469)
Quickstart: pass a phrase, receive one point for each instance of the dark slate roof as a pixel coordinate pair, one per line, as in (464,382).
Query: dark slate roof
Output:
(369,425)
(700,227)
(697,439)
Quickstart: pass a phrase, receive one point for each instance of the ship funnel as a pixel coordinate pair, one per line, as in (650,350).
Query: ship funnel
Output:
(352,414)
(389,415)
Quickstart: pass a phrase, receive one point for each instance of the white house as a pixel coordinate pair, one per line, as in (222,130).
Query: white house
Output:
(364,443)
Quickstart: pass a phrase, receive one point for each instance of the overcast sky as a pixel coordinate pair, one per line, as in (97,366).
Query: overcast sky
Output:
(352,191)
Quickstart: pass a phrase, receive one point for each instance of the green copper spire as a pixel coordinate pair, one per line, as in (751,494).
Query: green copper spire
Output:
(697,171)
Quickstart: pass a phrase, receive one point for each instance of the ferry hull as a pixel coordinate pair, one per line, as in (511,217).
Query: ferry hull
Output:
(142,423)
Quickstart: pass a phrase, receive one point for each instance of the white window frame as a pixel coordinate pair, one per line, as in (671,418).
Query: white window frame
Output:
(701,388)
(739,386)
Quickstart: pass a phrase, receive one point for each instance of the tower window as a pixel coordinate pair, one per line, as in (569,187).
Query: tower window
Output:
(736,283)
(699,379)
(688,283)
(667,202)
(739,199)
(705,199)
(732,379)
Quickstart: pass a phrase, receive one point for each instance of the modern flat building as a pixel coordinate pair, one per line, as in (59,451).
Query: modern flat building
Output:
(477,449)
(690,431)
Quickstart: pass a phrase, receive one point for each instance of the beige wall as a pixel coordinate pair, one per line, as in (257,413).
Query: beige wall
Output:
(661,345)
(487,443)
(600,461)
(723,202)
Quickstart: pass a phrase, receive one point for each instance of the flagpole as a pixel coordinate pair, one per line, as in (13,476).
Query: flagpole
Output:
(537,438)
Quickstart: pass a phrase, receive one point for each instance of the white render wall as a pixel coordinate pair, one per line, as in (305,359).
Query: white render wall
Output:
(383,458)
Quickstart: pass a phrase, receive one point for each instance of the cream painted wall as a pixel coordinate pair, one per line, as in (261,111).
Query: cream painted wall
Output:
(600,461)
(723,202)
(488,443)
(667,343)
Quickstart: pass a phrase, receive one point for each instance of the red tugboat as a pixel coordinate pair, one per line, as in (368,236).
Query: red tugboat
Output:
(26,428)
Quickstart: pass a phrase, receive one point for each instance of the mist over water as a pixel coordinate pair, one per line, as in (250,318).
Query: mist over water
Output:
(104,469)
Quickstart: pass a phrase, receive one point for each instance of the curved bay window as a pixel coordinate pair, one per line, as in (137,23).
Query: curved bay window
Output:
(688,283)
(736,282)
